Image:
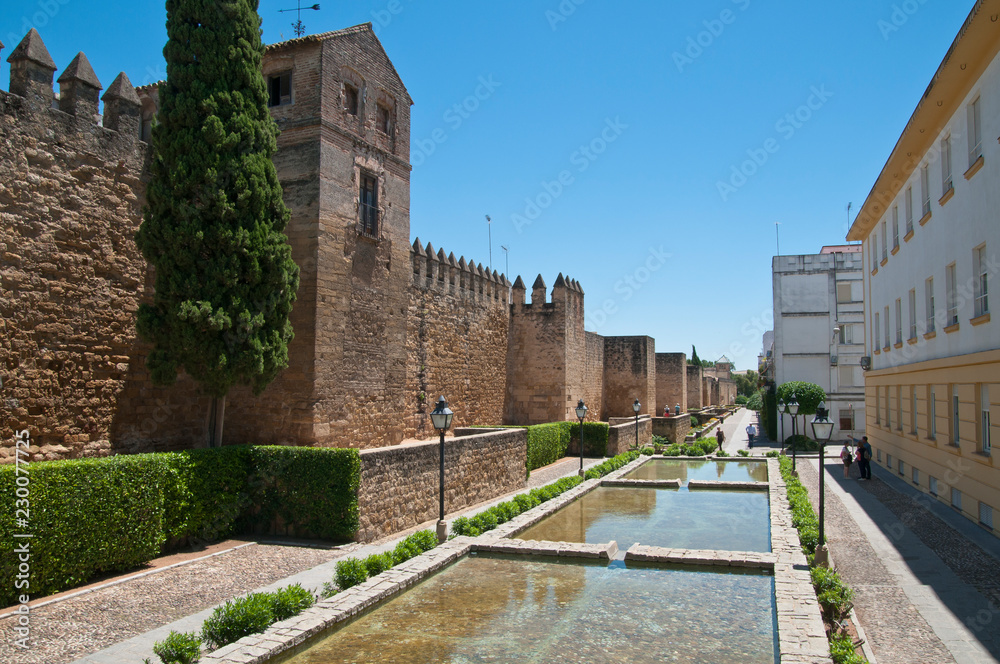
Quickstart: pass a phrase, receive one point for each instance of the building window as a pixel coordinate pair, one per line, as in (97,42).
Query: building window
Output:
(846,333)
(888,334)
(878,455)
(878,405)
(888,408)
(383,119)
(913,313)
(931,414)
(913,410)
(899,407)
(368,207)
(956,428)
(956,499)
(899,467)
(982,285)
(946,183)
(925,190)
(951,287)
(885,240)
(351,99)
(846,376)
(908,210)
(895,227)
(875,329)
(975,133)
(873,246)
(279,89)
(899,320)
(984,419)
(888,461)
(929,302)
(915,475)
(843,293)
(847,419)
(932,485)
(985,515)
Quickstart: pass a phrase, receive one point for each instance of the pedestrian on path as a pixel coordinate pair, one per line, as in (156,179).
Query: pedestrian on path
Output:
(846,457)
(751,432)
(719,436)
(864,457)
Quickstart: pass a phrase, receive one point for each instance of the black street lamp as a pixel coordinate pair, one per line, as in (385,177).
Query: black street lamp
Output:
(793,410)
(781,422)
(635,408)
(581,412)
(822,431)
(441,419)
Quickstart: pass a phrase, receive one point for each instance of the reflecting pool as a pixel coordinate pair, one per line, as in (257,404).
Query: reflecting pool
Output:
(720,520)
(700,469)
(505,609)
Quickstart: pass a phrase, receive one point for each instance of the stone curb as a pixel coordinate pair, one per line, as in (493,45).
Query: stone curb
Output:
(656,554)
(643,484)
(539,548)
(717,484)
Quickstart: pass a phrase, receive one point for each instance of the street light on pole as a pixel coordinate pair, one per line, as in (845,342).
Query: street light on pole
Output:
(489,230)
(822,431)
(793,410)
(635,407)
(581,412)
(781,423)
(441,419)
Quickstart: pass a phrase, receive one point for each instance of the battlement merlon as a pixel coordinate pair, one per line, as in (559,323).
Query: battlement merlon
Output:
(31,70)
(433,270)
(563,291)
(79,89)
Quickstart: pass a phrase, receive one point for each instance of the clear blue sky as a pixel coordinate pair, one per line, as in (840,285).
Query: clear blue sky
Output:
(667,98)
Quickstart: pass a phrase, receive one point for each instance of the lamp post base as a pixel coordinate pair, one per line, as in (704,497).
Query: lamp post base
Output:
(582,473)
(822,557)
(442,531)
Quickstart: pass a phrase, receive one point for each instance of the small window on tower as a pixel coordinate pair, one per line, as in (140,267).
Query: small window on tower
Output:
(279,89)
(350,99)
(368,206)
(383,119)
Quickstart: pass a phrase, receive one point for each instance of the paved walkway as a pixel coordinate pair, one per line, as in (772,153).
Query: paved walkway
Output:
(921,583)
(119,621)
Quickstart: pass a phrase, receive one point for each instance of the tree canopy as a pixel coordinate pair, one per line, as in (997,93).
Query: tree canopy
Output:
(746,384)
(213,225)
(808,395)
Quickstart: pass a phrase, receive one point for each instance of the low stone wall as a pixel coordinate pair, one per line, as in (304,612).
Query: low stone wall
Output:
(674,428)
(399,484)
(621,434)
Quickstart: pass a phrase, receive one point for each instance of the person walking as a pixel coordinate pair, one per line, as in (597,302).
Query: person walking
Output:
(846,457)
(864,455)
(720,437)
(751,432)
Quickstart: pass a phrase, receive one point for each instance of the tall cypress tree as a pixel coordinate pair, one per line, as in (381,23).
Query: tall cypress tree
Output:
(695,360)
(214,222)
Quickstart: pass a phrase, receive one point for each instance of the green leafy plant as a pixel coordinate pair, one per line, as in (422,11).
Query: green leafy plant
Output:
(801,443)
(290,601)
(378,563)
(595,437)
(842,650)
(743,453)
(350,572)
(547,443)
(722,453)
(835,598)
(237,618)
(178,648)
(773,454)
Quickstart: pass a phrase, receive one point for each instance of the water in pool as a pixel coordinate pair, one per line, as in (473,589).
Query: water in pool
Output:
(500,609)
(700,469)
(720,520)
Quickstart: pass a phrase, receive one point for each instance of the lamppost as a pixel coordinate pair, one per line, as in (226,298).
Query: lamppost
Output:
(581,412)
(793,410)
(441,419)
(635,408)
(781,422)
(822,431)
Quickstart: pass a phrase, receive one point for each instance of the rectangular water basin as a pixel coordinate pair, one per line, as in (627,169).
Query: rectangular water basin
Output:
(700,469)
(488,608)
(681,519)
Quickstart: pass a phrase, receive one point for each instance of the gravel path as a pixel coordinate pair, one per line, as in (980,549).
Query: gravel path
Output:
(896,631)
(75,627)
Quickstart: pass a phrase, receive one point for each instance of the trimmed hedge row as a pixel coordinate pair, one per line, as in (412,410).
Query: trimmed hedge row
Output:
(595,437)
(97,516)
(547,443)
(352,571)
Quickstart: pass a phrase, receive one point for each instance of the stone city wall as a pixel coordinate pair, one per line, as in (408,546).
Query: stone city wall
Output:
(674,429)
(671,382)
(621,434)
(593,392)
(399,485)
(629,374)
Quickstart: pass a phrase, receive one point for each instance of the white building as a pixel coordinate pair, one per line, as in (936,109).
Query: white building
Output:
(819,331)
(931,232)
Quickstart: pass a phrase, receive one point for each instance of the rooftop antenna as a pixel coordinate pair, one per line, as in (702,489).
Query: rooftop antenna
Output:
(297,26)
(849,216)
(489,227)
(777,240)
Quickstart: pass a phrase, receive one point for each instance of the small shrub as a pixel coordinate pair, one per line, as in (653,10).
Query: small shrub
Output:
(290,601)
(694,421)
(459,526)
(526,501)
(835,599)
(178,648)
(648,451)
(378,563)
(350,572)
(722,453)
(773,454)
(424,540)
(743,453)
(329,590)
(801,443)
(238,618)
(405,549)
(842,650)
(484,521)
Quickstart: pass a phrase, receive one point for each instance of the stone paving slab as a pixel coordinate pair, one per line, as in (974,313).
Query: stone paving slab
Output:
(731,486)
(656,554)
(605,551)
(643,484)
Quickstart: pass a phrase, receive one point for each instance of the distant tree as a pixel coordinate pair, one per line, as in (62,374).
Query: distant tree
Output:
(695,360)
(746,384)
(807,395)
(214,218)
(756,401)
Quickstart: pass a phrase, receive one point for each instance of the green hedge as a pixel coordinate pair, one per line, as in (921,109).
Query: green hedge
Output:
(595,437)
(547,443)
(97,516)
